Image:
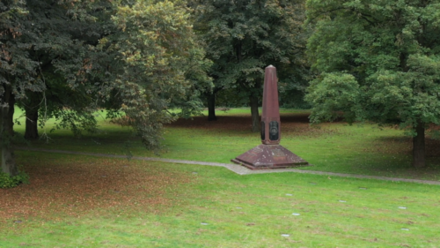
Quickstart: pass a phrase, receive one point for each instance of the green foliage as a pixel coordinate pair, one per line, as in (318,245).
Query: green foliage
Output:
(378,59)
(332,94)
(153,62)
(243,37)
(69,58)
(77,122)
(7,181)
(16,39)
(390,49)
(39,39)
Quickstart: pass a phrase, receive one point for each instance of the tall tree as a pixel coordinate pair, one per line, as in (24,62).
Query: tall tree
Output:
(17,71)
(152,63)
(379,61)
(64,40)
(139,58)
(243,37)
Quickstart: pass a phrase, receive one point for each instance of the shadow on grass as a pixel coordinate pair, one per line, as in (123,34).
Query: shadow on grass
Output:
(393,157)
(403,145)
(291,124)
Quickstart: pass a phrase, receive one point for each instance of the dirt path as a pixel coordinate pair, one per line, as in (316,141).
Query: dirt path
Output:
(241,170)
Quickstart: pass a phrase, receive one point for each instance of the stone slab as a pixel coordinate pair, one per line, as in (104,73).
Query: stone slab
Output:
(269,157)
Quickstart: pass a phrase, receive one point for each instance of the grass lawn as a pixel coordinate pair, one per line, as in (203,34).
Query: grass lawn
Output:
(82,201)
(334,147)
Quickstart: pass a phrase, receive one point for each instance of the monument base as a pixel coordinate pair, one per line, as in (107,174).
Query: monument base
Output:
(269,157)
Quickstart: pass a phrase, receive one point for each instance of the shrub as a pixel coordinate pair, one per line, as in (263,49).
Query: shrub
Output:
(7,181)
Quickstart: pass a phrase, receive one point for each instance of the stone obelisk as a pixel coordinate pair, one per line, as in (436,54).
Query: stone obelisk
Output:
(270,154)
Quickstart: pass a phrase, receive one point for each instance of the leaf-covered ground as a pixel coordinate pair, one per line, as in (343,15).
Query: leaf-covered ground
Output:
(297,125)
(71,185)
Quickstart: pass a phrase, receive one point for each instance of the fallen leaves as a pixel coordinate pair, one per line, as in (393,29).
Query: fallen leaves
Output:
(297,124)
(74,185)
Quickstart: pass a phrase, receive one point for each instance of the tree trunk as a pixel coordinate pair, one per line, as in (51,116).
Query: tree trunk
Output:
(10,117)
(254,111)
(6,130)
(211,107)
(419,147)
(31,132)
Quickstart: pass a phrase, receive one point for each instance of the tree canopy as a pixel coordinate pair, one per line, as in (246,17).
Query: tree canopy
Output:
(135,58)
(243,37)
(377,60)
(153,61)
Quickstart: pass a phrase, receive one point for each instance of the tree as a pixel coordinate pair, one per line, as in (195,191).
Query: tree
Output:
(243,37)
(378,61)
(154,62)
(135,58)
(17,71)
(64,39)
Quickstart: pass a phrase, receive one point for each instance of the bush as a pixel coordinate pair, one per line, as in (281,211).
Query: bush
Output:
(7,181)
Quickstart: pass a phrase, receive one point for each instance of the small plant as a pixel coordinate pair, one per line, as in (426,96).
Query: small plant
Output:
(7,181)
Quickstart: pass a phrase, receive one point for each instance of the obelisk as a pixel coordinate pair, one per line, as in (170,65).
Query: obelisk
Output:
(270,154)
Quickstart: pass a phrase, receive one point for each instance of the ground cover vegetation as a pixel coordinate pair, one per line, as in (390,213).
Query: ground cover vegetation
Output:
(377,61)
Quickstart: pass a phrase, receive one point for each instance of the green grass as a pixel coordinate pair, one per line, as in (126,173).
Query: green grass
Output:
(244,211)
(356,149)
(81,201)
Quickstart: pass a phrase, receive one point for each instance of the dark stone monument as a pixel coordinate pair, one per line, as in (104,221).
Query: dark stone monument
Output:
(270,154)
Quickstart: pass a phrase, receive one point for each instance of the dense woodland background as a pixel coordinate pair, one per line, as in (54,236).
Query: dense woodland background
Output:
(366,60)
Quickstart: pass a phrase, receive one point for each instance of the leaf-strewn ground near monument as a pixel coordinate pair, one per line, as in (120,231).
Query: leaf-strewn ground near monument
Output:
(75,185)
